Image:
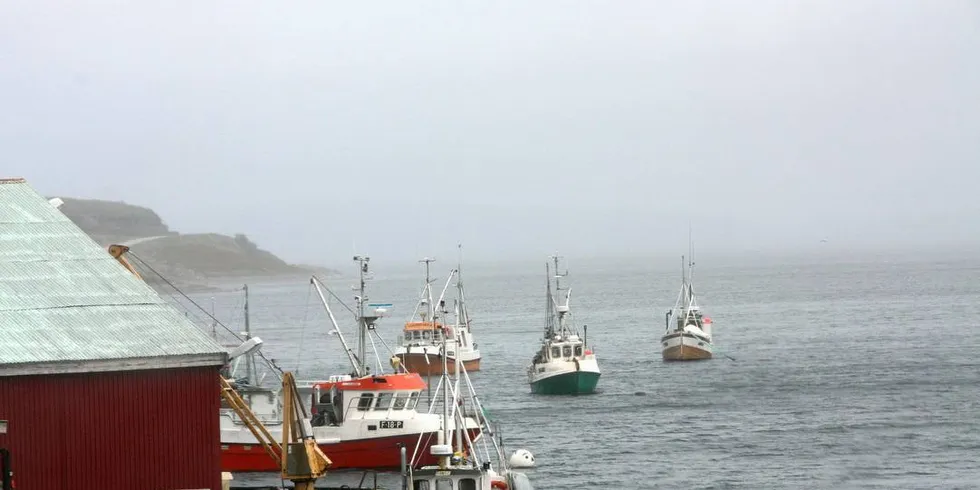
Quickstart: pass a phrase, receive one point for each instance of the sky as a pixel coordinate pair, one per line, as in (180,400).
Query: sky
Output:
(399,129)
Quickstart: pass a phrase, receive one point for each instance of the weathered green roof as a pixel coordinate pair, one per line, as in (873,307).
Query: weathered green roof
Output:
(66,305)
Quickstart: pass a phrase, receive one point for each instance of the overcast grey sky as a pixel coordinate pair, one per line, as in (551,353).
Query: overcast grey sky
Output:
(515,127)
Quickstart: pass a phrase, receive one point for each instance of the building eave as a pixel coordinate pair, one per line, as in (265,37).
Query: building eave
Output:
(110,365)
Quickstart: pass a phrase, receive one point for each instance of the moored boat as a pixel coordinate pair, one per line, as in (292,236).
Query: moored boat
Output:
(420,347)
(688,331)
(564,364)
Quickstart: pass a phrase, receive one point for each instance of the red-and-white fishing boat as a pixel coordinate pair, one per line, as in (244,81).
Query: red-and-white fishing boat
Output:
(358,420)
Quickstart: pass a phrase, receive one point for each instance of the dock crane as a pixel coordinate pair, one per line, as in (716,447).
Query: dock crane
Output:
(302,462)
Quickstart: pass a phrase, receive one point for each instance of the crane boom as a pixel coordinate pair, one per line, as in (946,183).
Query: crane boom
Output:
(117,252)
(303,462)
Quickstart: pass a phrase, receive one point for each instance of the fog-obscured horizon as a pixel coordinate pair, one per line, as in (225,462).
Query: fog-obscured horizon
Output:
(398,129)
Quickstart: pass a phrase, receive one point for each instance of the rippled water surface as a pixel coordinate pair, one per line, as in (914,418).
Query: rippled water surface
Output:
(845,375)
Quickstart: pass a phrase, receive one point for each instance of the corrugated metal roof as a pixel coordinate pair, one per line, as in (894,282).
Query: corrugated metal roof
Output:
(63,298)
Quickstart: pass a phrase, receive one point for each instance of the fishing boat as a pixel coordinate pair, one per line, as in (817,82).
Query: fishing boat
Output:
(688,331)
(460,466)
(564,365)
(358,419)
(421,345)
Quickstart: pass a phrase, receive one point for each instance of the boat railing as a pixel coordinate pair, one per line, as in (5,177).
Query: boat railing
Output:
(265,418)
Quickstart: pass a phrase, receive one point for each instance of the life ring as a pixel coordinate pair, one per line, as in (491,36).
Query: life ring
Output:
(499,484)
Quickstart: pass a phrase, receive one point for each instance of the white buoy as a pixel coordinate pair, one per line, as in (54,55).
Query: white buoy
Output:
(522,458)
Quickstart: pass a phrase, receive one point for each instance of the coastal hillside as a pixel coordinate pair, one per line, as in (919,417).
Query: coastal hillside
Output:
(188,259)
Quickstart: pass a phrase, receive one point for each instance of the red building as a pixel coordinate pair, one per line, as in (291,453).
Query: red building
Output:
(103,384)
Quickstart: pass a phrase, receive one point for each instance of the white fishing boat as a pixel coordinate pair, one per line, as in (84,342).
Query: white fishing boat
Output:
(358,419)
(421,345)
(688,331)
(461,465)
(564,364)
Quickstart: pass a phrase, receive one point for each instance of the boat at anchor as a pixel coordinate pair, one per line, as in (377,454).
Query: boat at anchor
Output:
(564,364)
(421,344)
(688,331)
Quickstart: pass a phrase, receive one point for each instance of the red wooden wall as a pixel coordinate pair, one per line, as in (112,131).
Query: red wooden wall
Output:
(153,429)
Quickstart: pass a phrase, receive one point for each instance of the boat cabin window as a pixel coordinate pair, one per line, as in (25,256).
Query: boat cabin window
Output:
(421,485)
(426,335)
(578,351)
(412,400)
(555,352)
(398,402)
(467,484)
(416,335)
(364,403)
(566,351)
(325,398)
(444,484)
(384,401)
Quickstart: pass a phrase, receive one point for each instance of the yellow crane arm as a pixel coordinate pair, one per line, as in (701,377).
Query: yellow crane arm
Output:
(117,252)
(303,470)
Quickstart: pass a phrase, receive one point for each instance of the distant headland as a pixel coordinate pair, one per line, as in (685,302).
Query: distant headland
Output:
(195,259)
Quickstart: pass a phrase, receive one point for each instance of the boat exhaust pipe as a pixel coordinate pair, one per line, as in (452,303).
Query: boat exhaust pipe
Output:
(404,466)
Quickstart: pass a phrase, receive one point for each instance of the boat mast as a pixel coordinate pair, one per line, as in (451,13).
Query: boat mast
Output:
(214,321)
(462,313)
(458,368)
(362,262)
(443,439)
(428,296)
(549,323)
(249,360)
(563,330)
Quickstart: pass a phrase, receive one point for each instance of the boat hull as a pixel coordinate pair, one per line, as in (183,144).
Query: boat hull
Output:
(569,383)
(381,453)
(685,347)
(416,363)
